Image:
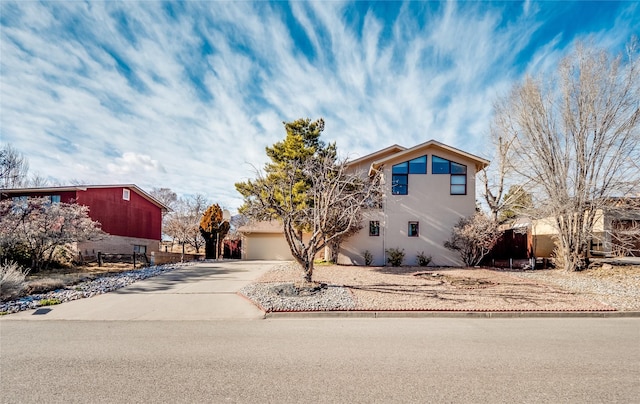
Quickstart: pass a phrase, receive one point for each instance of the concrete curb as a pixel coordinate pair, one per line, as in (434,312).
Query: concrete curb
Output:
(452,314)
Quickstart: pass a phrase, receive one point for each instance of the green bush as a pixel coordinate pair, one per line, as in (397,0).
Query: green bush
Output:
(11,280)
(368,258)
(49,302)
(395,256)
(422,259)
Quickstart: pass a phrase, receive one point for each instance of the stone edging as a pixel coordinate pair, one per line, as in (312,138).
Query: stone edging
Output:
(453,314)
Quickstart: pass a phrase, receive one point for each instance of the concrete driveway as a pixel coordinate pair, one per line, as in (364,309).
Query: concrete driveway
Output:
(205,291)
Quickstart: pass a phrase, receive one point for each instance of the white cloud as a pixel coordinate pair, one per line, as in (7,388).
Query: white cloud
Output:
(131,162)
(82,98)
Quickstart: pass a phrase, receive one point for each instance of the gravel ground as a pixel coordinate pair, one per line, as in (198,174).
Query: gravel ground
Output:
(618,287)
(87,288)
(449,289)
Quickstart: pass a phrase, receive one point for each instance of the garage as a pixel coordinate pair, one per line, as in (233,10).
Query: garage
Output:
(264,241)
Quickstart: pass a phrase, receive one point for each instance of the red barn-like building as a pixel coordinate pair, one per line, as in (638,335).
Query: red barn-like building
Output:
(131,217)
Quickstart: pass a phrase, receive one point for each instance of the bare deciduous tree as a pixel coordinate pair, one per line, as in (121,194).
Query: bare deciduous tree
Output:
(473,237)
(14,168)
(576,138)
(182,224)
(166,196)
(500,175)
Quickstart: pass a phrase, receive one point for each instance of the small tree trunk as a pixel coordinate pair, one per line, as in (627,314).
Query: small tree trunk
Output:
(308,271)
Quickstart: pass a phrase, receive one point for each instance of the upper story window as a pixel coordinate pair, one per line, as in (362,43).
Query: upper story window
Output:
(126,194)
(457,171)
(402,168)
(458,184)
(400,184)
(418,165)
(400,174)
(400,179)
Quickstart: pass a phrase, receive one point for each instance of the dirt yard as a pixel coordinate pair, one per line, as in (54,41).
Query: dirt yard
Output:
(55,278)
(448,289)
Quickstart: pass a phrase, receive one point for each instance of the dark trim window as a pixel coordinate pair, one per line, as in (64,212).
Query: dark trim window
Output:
(400,174)
(402,168)
(400,184)
(458,184)
(458,168)
(457,171)
(414,229)
(418,165)
(440,165)
(19,199)
(54,198)
(374,228)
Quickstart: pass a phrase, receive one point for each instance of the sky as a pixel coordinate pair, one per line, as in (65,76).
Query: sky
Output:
(187,95)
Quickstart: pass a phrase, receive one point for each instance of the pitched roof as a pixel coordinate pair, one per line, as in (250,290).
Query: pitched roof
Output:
(479,161)
(378,154)
(133,187)
(273,226)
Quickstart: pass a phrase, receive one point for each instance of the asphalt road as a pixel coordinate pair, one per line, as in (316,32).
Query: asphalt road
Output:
(322,360)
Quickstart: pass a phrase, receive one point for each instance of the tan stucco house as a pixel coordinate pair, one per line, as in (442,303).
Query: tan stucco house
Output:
(427,189)
(616,231)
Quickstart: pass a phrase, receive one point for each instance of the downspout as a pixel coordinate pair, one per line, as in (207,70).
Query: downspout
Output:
(384,221)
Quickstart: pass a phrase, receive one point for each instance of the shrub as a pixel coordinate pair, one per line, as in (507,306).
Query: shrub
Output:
(473,237)
(43,285)
(423,260)
(50,302)
(11,280)
(395,256)
(368,258)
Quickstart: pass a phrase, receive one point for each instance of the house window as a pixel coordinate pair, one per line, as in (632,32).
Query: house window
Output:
(54,198)
(19,202)
(458,174)
(458,184)
(374,228)
(126,194)
(400,184)
(414,230)
(140,249)
(400,179)
(439,165)
(458,168)
(418,165)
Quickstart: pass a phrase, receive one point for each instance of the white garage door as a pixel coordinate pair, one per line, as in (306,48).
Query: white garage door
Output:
(266,247)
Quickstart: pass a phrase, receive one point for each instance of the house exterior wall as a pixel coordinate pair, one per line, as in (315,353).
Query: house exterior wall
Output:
(543,233)
(111,244)
(65,196)
(136,221)
(137,217)
(428,202)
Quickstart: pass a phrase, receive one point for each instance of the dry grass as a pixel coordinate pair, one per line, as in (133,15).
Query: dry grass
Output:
(57,278)
(415,288)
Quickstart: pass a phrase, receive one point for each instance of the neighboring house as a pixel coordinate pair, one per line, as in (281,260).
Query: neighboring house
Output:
(427,189)
(616,231)
(131,217)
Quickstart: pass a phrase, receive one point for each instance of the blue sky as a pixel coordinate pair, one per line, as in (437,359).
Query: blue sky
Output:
(186,95)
